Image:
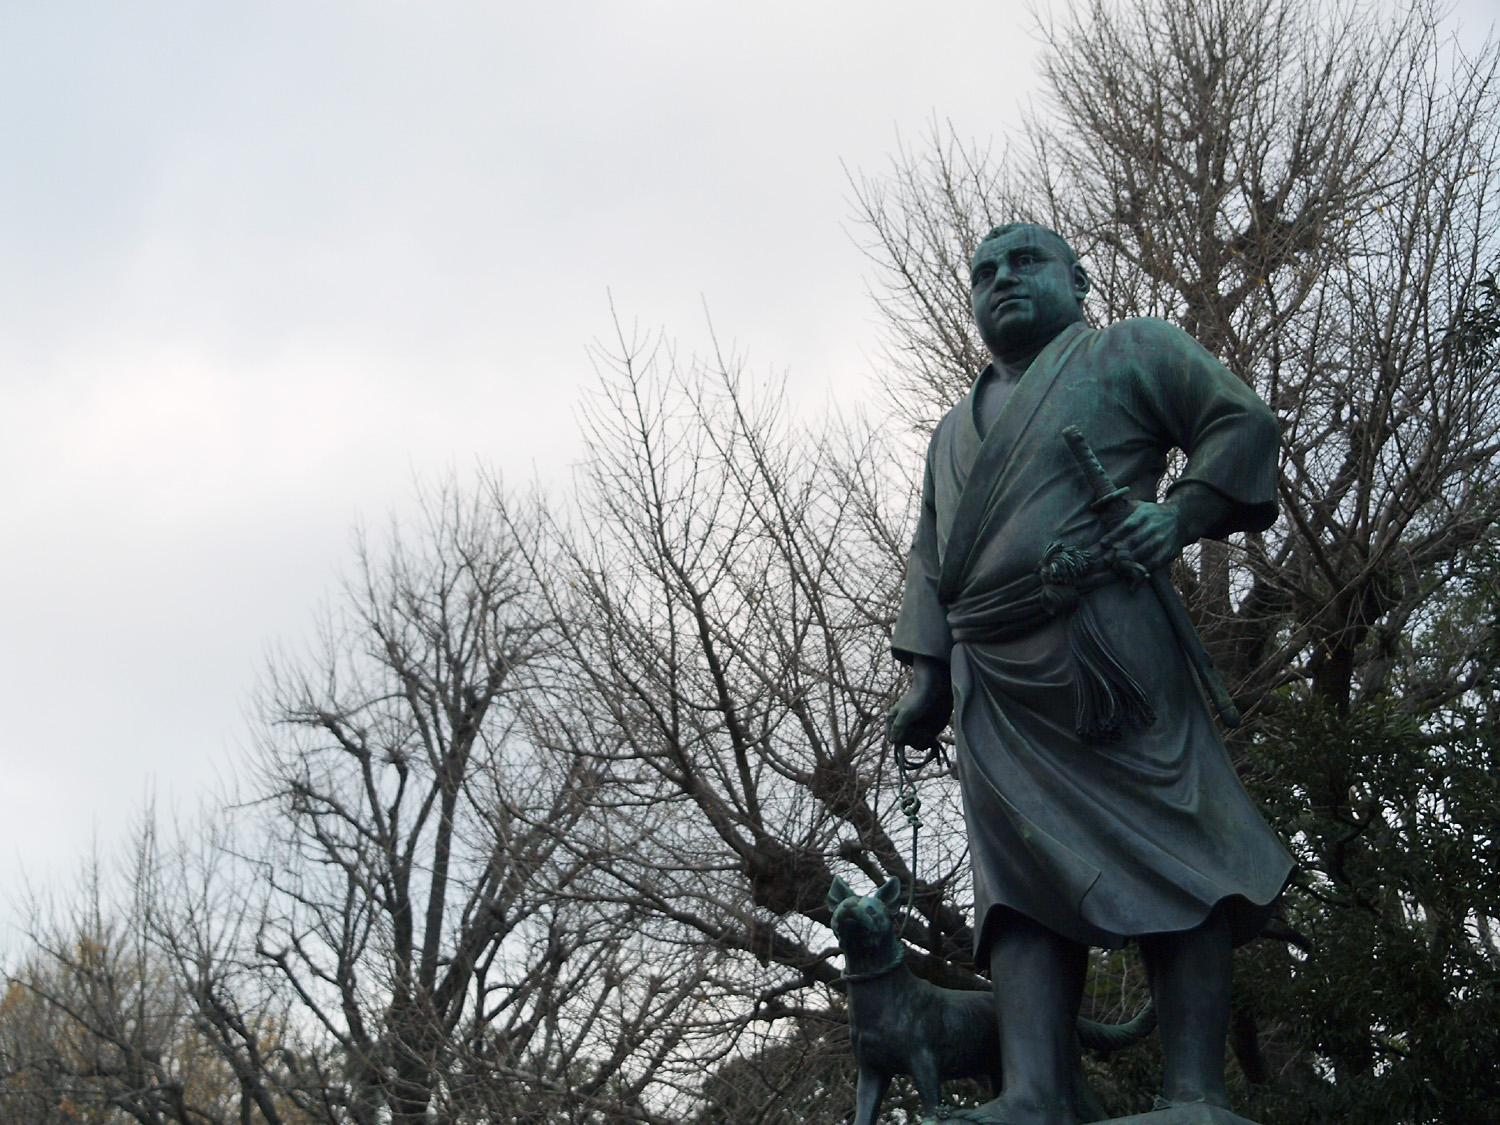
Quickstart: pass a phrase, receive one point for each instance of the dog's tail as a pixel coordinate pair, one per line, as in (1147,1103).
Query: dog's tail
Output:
(1107,1037)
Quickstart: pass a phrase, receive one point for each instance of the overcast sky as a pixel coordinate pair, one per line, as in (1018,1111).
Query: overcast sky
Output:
(263,263)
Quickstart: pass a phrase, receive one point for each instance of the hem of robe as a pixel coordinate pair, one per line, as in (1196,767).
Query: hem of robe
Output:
(1246,919)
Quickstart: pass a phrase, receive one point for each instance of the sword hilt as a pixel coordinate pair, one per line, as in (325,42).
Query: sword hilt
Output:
(1110,500)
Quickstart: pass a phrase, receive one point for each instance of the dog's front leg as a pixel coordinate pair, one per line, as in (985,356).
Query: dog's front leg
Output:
(867,1094)
(924,1075)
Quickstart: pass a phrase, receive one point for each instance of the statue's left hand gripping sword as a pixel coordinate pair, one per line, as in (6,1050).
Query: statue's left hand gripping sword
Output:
(1113,506)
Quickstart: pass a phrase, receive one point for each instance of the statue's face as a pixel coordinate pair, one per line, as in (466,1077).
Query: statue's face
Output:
(1025,291)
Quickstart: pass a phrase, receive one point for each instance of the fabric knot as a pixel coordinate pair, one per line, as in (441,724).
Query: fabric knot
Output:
(1061,569)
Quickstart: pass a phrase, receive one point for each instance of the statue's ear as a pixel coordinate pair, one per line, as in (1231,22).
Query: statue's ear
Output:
(890,893)
(838,893)
(1081,282)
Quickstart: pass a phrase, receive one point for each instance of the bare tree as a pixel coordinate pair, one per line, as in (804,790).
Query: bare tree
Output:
(422,908)
(723,667)
(386,923)
(96,1023)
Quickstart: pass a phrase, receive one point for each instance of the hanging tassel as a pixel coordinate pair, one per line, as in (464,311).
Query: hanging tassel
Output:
(1109,701)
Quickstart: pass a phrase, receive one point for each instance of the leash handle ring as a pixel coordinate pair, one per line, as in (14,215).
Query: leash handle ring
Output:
(911,805)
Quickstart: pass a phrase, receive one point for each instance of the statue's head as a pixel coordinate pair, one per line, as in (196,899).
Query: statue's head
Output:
(1027,286)
(863,923)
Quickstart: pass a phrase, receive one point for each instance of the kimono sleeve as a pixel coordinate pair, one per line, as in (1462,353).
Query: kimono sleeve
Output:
(922,625)
(1230,436)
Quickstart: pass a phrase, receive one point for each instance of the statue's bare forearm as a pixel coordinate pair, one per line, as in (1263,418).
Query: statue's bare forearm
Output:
(930,673)
(1155,534)
(1200,510)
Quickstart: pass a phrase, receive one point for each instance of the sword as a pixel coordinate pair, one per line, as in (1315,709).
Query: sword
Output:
(1113,505)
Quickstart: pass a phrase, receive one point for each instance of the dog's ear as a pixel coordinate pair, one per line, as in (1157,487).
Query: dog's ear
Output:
(838,893)
(890,893)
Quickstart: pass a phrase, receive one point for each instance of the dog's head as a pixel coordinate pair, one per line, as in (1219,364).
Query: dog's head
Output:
(863,924)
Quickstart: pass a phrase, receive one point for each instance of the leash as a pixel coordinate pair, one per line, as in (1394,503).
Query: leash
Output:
(911,805)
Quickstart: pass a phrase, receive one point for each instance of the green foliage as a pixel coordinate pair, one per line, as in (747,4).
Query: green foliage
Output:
(1475,335)
(1384,1005)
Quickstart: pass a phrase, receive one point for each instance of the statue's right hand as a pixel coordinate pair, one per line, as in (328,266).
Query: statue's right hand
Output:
(920,715)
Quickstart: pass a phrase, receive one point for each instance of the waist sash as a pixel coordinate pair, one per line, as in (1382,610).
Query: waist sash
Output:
(1108,701)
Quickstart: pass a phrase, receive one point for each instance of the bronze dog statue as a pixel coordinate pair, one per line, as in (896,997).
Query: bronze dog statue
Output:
(901,1024)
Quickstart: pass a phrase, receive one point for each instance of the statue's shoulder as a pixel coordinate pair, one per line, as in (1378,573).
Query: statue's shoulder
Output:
(1152,348)
(1143,332)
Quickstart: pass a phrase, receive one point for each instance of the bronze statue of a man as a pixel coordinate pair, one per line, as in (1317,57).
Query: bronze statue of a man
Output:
(1100,803)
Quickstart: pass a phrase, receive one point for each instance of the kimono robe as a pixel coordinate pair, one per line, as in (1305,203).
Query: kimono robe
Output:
(1099,841)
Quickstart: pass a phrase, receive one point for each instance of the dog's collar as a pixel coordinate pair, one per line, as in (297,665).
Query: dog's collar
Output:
(874,974)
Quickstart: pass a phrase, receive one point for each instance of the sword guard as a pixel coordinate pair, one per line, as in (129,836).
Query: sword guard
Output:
(1105,500)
